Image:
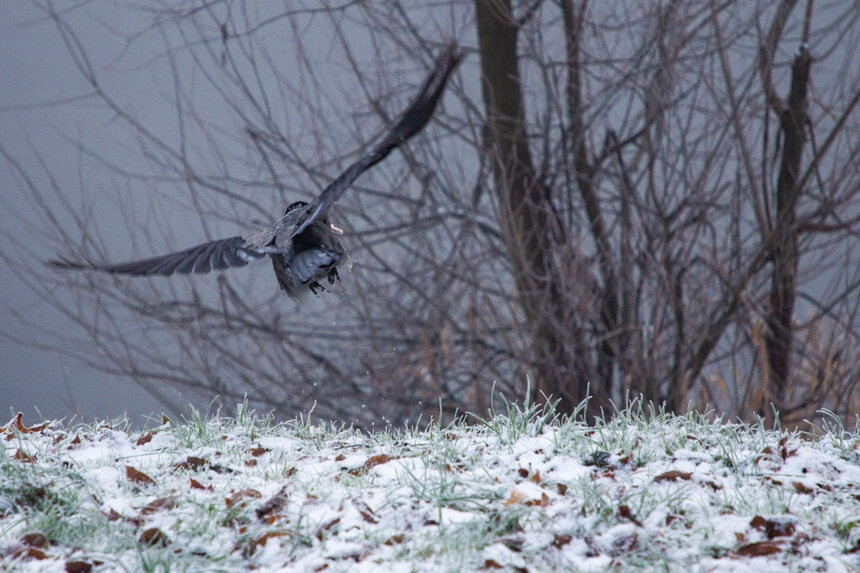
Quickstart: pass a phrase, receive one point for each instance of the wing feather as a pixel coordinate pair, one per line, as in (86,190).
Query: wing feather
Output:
(410,123)
(218,255)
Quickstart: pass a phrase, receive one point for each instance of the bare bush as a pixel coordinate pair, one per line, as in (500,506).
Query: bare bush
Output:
(656,199)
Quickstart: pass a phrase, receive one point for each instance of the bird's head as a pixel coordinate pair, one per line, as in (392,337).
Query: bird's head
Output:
(294,206)
(298,205)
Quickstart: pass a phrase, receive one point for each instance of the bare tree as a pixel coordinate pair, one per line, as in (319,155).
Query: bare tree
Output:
(626,198)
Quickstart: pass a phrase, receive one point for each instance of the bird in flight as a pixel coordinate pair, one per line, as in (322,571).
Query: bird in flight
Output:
(304,247)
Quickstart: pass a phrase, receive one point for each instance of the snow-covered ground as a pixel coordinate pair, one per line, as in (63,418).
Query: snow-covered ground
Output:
(519,491)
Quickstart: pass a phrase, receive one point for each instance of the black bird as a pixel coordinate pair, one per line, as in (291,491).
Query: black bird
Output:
(304,247)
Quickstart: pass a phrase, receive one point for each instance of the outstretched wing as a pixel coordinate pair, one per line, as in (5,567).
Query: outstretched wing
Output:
(411,122)
(214,255)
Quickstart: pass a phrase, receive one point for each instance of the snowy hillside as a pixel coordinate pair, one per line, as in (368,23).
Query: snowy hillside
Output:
(519,491)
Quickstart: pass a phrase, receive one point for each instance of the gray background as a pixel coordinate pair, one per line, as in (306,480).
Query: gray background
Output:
(38,74)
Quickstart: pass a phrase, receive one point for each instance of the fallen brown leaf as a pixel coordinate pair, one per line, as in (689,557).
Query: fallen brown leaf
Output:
(357,556)
(673,475)
(623,544)
(34,540)
(154,537)
(513,498)
(24,457)
(625,512)
(163,503)
(261,542)
(366,513)
(78,567)
(18,424)
(802,488)
(713,485)
(542,502)
(781,527)
(395,539)
(191,463)
(322,530)
(378,460)
(273,504)
(29,553)
(239,496)
(758,549)
(137,476)
(197,485)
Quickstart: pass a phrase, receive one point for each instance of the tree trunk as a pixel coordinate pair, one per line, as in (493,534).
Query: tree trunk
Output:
(784,255)
(524,211)
(608,351)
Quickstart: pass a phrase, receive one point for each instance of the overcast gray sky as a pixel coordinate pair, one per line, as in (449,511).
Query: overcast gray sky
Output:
(36,71)
(45,114)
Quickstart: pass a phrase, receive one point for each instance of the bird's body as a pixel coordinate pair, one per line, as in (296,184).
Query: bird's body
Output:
(305,261)
(305,249)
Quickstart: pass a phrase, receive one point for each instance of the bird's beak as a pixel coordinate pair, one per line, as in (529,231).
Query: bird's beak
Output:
(336,230)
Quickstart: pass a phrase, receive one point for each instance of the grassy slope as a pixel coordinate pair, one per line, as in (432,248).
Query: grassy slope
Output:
(523,490)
